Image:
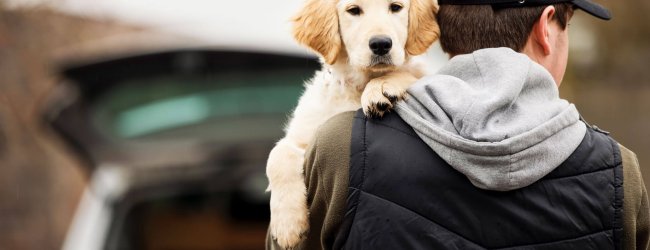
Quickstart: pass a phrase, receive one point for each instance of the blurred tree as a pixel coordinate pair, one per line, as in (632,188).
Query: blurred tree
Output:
(40,181)
(623,46)
(3,139)
(612,86)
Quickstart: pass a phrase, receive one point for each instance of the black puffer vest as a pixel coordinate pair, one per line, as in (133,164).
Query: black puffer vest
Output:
(402,195)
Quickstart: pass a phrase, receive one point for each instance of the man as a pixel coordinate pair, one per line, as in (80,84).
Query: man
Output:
(482,155)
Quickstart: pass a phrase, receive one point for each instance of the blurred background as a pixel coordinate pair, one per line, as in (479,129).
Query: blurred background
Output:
(123,125)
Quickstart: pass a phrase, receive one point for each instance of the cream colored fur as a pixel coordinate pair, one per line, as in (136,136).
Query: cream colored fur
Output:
(348,81)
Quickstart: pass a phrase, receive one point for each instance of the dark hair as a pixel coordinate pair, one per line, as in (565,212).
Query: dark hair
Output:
(466,28)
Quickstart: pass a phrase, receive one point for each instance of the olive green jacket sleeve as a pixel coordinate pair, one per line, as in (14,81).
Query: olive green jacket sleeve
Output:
(636,213)
(327,176)
(327,163)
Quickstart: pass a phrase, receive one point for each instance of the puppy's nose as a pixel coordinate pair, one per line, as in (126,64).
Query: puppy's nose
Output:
(380,45)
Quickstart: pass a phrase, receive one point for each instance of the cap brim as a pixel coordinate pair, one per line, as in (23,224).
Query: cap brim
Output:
(593,8)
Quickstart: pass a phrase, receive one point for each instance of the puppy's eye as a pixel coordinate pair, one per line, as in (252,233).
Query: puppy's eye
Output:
(395,7)
(354,10)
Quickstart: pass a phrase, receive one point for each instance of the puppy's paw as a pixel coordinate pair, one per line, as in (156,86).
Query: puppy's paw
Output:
(382,92)
(289,217)
(373,100)
(394,92)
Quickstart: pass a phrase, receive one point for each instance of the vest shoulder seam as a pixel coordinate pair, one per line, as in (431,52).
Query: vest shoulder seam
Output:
(584,173)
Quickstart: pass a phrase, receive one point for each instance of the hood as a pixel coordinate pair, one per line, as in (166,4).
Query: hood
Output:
(495,116)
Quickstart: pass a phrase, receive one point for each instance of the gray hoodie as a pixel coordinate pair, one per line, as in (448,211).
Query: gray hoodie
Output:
(495,116)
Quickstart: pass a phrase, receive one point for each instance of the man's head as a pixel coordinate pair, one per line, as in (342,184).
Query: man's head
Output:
(539,30)
(466,28)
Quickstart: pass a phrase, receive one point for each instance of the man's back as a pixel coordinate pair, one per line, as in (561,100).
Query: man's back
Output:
(328,177)
(404,196)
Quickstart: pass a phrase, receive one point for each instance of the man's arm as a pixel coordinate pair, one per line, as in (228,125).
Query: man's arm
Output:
(326,172)
(636,210)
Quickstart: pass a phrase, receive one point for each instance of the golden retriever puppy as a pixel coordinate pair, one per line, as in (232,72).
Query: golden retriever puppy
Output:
(366,49)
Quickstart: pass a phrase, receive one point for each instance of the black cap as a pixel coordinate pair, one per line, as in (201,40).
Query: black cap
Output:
(588,6)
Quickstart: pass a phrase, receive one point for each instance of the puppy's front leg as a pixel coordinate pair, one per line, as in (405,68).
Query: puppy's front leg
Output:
(289,212)
(289,218)
(380,93)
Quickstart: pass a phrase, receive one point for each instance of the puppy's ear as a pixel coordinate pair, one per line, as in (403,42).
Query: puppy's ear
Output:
(317,27)
(423,28)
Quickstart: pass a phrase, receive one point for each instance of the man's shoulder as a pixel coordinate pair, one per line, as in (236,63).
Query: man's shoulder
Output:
(630,162)
(635,204)
(330,148)
(338,121)
(335,130)
(633,184)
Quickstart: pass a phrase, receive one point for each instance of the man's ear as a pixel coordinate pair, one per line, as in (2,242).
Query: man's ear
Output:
(317,27)
(423,29)
(541,29)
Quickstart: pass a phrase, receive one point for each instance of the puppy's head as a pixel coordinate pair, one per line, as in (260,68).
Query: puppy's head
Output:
(377,35)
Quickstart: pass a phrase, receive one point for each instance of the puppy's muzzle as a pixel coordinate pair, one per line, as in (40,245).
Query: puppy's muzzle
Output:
(380,45)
